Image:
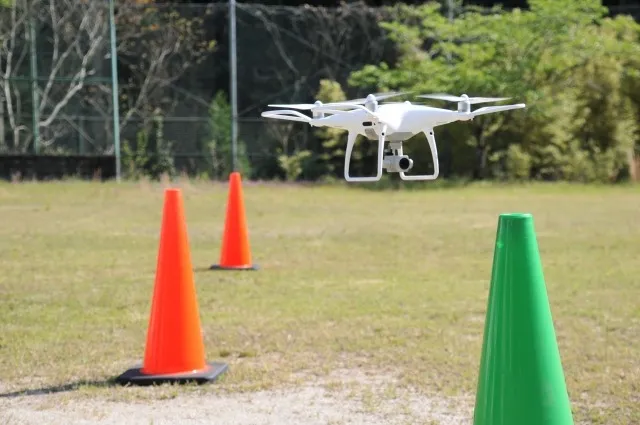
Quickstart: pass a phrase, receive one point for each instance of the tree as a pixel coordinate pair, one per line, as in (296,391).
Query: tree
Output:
(332,139)
(157,45)
(69,40)
(565,59)
(217,147)
(3,4)
(76,33)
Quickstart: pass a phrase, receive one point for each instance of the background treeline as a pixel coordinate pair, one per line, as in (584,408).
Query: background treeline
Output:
(576,68)
(575,65)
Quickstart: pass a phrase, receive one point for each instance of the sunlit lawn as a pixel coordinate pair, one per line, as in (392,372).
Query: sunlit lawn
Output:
(350,278)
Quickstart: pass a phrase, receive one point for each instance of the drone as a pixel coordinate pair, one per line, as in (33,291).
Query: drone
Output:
(393,122)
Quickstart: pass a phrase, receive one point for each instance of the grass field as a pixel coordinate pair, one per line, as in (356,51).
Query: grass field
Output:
(393,284)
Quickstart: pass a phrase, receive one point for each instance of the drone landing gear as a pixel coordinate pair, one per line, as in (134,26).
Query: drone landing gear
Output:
(434,156)
(392,159)
(351,140)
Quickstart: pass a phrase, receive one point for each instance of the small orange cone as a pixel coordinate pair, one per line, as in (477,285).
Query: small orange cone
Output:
(174,349)
(236,251)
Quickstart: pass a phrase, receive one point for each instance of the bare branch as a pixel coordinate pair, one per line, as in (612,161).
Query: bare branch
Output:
(303,45)
(95,37)
(15,30)
(158,51)
(156,46)
(77,32)
(57,25)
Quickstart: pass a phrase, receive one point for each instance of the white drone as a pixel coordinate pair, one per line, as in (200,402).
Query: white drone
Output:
(394,122)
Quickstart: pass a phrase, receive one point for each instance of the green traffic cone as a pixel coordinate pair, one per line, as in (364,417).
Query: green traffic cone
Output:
(521,378)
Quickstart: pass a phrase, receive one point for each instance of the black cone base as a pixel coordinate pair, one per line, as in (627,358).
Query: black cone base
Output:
(134,376)
(249,267)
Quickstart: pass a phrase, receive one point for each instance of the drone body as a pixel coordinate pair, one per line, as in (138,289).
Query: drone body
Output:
(391,122)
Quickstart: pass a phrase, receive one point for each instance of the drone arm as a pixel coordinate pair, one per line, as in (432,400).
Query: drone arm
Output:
(330,111)
(351,139)
(434,155)
(286,114)
(331,108)
(492,109)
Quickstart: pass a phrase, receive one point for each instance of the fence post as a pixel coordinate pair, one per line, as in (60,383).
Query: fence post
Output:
(233,82)
(114,89)
(33,68)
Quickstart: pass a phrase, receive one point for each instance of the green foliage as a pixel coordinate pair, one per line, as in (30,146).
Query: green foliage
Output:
(575,68)
(135,157)
(157,45)
(294,165)
(217,148)
(151,156)
(517,163)
(303,162)
(331,139)
(164,163)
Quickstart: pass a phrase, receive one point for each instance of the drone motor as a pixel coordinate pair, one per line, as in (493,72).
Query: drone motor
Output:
(316,114)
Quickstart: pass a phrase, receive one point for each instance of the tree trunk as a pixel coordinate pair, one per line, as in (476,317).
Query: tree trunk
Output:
(482,156)
(482,153)
(3,144)
(634,165)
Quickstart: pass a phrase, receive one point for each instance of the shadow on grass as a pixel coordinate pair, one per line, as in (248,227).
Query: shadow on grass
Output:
(61,388)
(201,269)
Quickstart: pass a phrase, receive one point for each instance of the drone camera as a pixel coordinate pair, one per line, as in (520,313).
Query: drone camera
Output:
(405,163)
(397,163)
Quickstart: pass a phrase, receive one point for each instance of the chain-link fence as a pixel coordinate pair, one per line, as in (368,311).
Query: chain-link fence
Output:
(56,92)
(54,60)
(283,54)
(173,74)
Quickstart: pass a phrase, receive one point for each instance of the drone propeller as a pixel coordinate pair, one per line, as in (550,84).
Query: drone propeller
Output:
(302,106)
(310,106)
(347,104)
(463,98)
(377,96)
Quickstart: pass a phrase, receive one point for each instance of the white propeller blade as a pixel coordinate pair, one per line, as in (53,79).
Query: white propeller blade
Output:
(463,98)
(441,96)
(378,96)
(474,100)
(312,106)
(336,105)
(303,106)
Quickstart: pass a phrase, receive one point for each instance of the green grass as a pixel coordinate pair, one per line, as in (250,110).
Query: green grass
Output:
(389,281)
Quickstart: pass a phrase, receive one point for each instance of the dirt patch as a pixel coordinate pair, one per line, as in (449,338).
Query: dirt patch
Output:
(349,399)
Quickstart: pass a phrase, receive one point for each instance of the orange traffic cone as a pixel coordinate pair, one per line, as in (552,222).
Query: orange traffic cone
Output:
(174,349)
(236,252)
